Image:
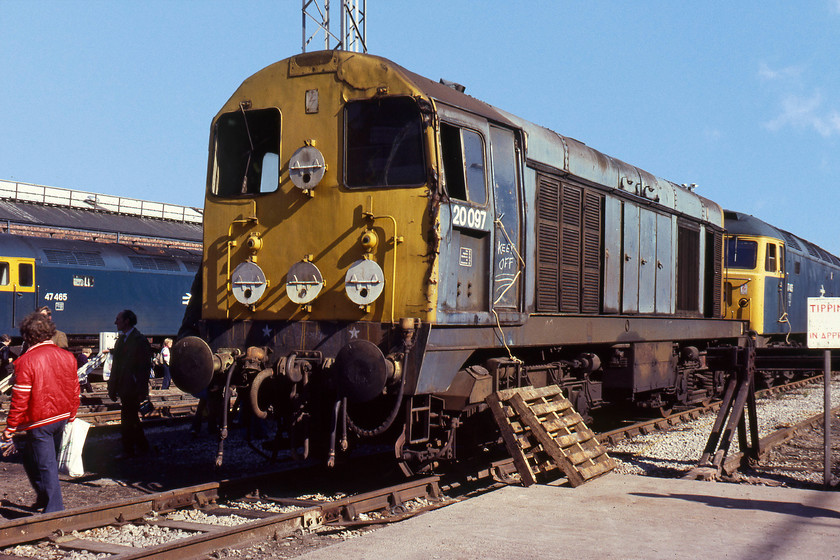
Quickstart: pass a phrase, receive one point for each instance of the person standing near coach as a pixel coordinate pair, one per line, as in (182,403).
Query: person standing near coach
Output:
(60,337)
(132,359)
(45,397)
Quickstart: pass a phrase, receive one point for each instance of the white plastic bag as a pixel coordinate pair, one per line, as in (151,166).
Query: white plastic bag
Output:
(70,453)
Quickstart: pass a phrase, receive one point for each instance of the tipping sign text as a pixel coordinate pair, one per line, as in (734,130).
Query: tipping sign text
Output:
(824,322)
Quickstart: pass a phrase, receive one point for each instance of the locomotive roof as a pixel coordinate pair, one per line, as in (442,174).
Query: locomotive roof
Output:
(39,206)
(738,223)
(548,148)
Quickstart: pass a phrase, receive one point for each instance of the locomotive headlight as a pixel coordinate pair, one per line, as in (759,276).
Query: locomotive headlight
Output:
(307,167)
(364,282)
(248,283)
(303,282)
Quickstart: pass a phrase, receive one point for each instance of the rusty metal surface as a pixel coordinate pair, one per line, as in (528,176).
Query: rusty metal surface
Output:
(569,330)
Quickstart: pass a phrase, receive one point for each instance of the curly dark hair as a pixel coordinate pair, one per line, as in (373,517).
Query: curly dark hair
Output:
(36,327)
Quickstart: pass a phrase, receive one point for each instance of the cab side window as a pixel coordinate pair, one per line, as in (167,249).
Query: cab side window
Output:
(463,163)
(26,276)
(741,253)
(4,274)
(770,258)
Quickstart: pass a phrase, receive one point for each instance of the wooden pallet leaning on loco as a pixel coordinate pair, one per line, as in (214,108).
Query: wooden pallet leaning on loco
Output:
(383,252)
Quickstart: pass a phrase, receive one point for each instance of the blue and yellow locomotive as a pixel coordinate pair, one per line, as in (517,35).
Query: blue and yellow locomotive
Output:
(86,283)
(382,252)
(769,276)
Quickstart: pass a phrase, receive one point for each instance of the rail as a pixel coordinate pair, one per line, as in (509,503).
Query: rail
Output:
(55,196)
(310,515)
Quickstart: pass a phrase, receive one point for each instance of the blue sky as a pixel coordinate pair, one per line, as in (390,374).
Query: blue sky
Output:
(742,98)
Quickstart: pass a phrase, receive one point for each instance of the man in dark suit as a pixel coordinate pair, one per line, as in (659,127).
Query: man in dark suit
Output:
(132,360)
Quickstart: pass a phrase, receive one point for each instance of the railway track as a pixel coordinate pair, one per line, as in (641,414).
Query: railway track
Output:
(71,529)
(670,421)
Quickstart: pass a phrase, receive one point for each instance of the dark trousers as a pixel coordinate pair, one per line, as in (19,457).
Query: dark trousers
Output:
(167,377)
(133,439)
(40,461)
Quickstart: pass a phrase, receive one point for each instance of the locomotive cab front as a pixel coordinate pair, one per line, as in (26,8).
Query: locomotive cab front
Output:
(755,285)
(319,241)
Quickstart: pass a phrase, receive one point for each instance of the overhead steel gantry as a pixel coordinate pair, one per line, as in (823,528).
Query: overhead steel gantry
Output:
(353,25)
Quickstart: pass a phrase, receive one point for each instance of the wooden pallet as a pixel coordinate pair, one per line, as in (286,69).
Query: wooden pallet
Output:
(546,436)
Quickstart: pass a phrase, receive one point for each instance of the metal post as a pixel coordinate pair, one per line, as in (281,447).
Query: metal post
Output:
(353,24)
(827,420)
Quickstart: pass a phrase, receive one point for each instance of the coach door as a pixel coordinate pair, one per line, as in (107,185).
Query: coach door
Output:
(508,264)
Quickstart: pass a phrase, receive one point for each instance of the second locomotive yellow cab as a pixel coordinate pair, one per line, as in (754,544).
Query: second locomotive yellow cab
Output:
(769,276)
(383,251)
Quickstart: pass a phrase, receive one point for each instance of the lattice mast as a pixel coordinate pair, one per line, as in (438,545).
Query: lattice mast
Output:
(352,36)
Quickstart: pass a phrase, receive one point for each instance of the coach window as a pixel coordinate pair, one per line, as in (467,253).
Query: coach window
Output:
(26,278)
(4,274)
(770,258)
(383,143)
(247,149)
(463,163)
(741,253)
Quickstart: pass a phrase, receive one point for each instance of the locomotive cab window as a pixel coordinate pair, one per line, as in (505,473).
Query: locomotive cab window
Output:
(26,275)
(463,163)
(4,274)
(770,258)
(741,253)
(247,148)
(383,143)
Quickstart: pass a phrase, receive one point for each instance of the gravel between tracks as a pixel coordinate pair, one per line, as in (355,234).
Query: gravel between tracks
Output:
(674,452)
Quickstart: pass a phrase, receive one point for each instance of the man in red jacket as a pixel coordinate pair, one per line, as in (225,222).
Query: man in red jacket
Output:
(45,398)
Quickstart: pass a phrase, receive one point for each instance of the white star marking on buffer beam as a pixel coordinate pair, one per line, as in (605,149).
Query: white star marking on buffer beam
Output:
(267,331)
(354,332)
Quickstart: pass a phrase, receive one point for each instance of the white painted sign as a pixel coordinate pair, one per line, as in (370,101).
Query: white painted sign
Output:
(824,322)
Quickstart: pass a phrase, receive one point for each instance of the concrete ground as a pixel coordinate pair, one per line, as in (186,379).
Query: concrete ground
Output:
(616,516)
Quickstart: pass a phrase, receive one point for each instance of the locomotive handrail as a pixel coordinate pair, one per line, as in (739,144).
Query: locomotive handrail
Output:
(231,242)
(397,241)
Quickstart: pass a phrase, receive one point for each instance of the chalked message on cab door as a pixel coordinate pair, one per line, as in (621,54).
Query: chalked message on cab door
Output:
(824,322)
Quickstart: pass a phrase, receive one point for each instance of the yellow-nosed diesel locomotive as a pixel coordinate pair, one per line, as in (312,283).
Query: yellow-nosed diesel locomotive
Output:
(769,276)
(382,252)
